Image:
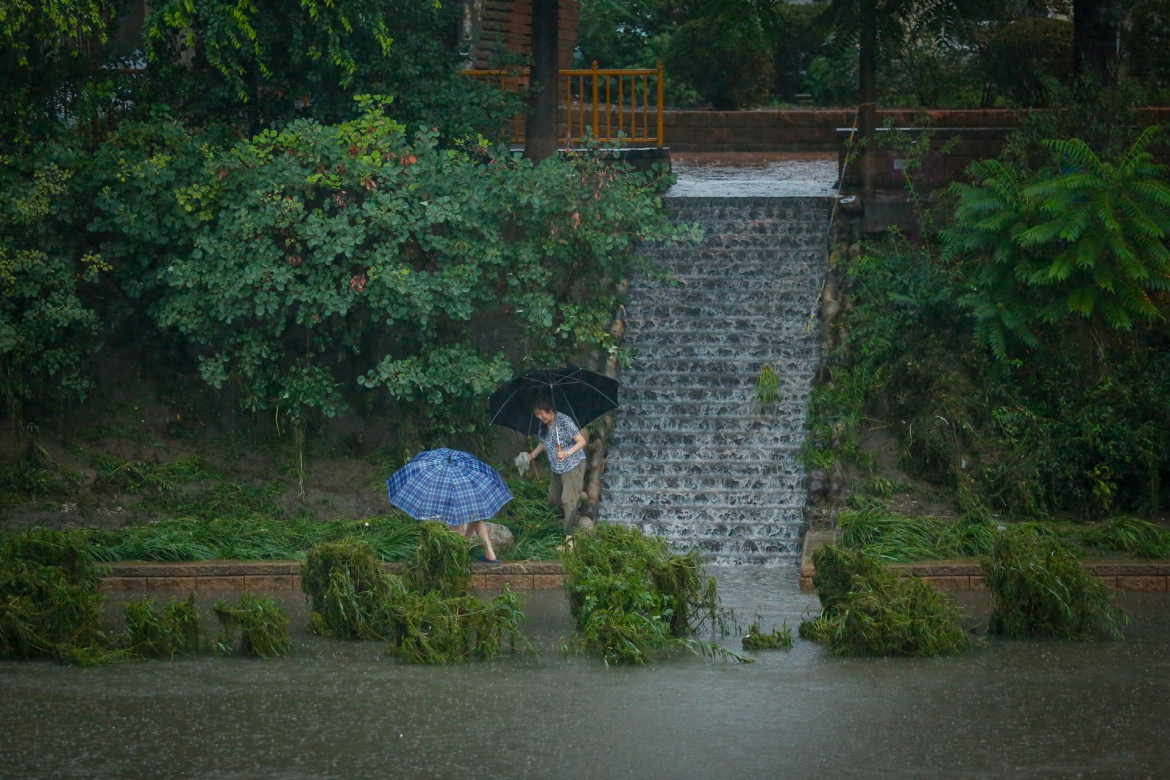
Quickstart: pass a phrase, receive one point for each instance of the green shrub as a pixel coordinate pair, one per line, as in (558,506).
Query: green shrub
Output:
(151,633)
(795,38)
(49,599)
(354,597)
(727,60)
(1024,56)
(866,610)
(1040,589)
(440,563)
(1147,55)
(257,627)
(832,77)
(632,601)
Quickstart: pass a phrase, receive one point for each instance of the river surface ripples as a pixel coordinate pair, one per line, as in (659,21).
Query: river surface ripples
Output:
(344,709)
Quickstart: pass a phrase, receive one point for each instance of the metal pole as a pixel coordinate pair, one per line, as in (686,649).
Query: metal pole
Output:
(659,104)
(596,127)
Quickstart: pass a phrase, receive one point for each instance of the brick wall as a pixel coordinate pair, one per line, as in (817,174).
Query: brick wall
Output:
(815,130)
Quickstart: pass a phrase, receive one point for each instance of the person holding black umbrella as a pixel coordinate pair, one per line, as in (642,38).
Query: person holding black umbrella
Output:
(564,444)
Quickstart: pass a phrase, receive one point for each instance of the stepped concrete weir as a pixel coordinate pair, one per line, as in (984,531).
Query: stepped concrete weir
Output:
(693,457)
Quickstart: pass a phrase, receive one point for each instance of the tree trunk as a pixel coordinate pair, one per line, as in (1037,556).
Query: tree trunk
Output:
(1095,27)
(540,135)
(867,113)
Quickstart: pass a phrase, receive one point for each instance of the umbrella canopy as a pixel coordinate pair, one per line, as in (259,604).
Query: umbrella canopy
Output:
(450,485)
(581,394)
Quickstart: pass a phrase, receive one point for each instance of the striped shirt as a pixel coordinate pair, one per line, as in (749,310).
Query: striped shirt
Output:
(562,430)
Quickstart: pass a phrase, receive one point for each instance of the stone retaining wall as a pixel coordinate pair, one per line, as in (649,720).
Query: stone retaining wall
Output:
(965,575)
(286,575)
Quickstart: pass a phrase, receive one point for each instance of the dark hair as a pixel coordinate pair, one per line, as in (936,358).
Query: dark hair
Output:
(542,404)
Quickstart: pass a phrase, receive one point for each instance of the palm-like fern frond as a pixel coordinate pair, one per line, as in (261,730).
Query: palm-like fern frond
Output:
(1085,238)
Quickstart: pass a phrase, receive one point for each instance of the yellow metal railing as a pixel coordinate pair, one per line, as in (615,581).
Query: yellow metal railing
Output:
(608,105)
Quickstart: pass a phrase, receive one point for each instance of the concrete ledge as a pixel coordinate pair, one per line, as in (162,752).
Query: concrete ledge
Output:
(286,575)
(1129,575)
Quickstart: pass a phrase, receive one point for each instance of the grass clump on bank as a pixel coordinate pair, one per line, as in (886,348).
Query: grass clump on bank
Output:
(249,537)
(1128,536)
(910,539)
(247,534)
(633,602)
(256,627)
(51,607)
(162,633)
(1039,589)
(49,601)
(867,610)
(435,621)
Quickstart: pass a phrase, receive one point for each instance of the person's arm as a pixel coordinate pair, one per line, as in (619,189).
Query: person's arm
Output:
(539,449)
(578,444)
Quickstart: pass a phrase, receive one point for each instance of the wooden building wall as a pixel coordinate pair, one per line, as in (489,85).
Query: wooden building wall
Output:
(509,22)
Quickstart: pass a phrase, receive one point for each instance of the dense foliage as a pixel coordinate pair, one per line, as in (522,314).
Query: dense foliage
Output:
(1080,240)
(1023,366)
(1039,589)
(202,184)
(255,627)
(933,53)
(49,600)
(424,619)
(632,601)
(867,610)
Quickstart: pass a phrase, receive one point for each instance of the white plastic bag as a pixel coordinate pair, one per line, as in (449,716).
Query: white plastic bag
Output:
(523,463)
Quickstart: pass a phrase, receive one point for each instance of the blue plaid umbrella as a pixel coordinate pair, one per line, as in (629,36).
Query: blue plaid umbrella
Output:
(450,485)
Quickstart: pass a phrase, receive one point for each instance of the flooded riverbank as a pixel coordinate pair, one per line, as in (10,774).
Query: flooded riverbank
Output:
(343,709)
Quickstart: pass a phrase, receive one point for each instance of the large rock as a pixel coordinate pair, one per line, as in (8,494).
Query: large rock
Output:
(501,536)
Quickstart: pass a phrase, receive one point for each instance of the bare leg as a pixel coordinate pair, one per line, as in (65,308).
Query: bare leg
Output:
(480,527)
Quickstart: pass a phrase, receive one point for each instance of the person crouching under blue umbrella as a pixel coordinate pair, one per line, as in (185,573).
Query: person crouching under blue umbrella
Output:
(563,442)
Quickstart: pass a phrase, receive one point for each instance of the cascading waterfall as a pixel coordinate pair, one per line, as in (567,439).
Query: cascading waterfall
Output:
(693,458)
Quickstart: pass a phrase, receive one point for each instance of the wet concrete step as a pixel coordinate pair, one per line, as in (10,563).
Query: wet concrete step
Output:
(747,367)
(782,531)
(658,428)
(690,515)
(696,375)
(798,237)
(736,329)
(711,500)
(703,209)
(634,453)
(693,379)
(619,484)
(759,354)
(733,294)
(716,263)
(794,307)
(679,444)
(779,463)
(740,395)
(723,552)
(698,411)
(781,279)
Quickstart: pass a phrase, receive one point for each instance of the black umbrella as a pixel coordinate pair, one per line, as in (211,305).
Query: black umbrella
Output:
(581,394)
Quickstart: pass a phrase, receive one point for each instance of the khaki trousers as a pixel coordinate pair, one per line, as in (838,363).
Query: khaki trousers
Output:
(564,490)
